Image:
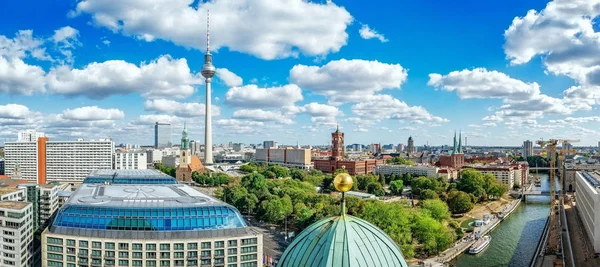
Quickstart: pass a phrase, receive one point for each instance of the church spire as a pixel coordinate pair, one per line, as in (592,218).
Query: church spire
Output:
(460,151)
(455,148)
(185,141)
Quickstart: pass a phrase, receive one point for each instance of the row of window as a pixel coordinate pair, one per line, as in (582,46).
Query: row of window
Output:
(152,263)
(139,246)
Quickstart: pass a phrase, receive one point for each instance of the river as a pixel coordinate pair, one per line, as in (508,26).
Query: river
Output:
(515,240)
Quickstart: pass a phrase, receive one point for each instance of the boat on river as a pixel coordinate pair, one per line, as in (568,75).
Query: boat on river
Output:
(538,182)
(480,244)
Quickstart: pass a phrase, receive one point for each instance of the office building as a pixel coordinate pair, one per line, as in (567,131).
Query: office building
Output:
(162,135)
(1,166)
(505,174)
(149,225)
(587,185)
(29,136)
(130,160)
(47,161)
(420,170)
(527,149)
(337,159)
(237,147)
(270,144)
(196,147)
(291,157)
(578,163)
(16,244)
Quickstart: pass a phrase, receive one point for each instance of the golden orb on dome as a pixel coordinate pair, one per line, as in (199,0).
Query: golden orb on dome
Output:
(343,182)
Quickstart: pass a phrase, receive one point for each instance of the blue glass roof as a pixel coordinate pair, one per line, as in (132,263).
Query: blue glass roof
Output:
(128,177)
(165,207)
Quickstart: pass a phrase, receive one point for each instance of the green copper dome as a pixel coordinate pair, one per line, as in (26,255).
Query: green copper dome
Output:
(342,241)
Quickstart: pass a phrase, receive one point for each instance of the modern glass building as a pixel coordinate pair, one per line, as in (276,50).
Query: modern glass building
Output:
(128,177)
(162,135)
(148,225)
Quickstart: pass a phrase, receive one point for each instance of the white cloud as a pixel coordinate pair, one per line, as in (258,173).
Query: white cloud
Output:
(368,33)
(481,83)
(251,96)
(349,80)
(564,34)
(388,107)
(229,78)
(320,110)
(262,116)
(151,119)
(179,109)
(234,126)
(93,113)
(19,78)
(360,130)
(14,111)
(361,122)
(22,45)
(65,40)
(163,77)
(264,28)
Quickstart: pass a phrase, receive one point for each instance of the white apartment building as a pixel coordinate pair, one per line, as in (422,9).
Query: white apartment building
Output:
(130,160)
(48,202)
(504,174)
(45,161)
(16,227)
(421,170)
(22,155)
(74,160)
(587,195)
(29,136)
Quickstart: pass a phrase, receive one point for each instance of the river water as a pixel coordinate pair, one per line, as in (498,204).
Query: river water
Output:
(515,240)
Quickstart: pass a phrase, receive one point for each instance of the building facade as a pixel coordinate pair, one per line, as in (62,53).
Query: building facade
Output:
(288,156)
(16,226)
(504,174)
(527,149)
(587,194)
(29,136)
(456,159)
(131,160)
(270,144)
(1,166)
(188,163)
(420,170)
(149,225)
(411,145)
(162,135)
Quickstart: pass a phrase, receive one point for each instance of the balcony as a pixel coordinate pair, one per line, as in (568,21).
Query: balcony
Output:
(193,257)
(111,257)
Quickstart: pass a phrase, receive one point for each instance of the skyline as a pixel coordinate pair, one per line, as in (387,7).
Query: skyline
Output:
(91,69)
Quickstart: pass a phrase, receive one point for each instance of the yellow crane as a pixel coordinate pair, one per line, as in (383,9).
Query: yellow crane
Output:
(555,199)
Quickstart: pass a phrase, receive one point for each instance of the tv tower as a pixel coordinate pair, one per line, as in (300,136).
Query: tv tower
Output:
(208,71)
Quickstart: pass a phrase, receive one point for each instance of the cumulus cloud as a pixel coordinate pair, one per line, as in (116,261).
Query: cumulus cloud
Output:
(19,78)
(229,78)
(344,80)
(163,77)
(234,126)
(263,28)
(93,113)
(388,107)
(252,96)
(368,33)
(22,45)
(14,111)
(65,39)
(150,119)
(179,109)
(262,116)
(564,34)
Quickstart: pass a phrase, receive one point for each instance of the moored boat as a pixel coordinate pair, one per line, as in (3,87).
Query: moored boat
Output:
(480,244)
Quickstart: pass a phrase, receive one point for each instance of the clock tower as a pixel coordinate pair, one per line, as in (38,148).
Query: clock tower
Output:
(337,141)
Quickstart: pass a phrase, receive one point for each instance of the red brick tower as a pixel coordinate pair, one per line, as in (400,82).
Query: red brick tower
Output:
(337,140)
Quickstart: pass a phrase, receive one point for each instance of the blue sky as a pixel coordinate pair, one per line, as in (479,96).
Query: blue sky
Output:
(290,70)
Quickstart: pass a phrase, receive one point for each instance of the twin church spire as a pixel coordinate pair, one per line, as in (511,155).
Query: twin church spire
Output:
(457,147)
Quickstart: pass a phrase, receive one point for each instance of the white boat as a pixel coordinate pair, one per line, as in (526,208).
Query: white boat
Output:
(480,244)
(486,219)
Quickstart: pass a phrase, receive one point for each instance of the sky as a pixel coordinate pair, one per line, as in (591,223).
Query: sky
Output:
(292,70)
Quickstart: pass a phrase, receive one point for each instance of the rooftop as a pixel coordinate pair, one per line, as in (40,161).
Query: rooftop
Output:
(592,178)
(129,177)
(17,205)
(6,190)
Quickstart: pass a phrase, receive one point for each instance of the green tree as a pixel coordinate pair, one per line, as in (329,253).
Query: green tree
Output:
(297,174)
(376,189)
(438,209)
(428,194)
(365,180)
(459,202)
(471,181)
(396,187)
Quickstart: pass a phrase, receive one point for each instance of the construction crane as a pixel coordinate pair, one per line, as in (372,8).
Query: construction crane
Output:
(555,199)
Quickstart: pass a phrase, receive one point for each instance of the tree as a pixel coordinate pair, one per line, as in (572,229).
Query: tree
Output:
(428,194)
(459,202)
(396,187)
(376,189)
(470,181)
(297,174)
(438,209)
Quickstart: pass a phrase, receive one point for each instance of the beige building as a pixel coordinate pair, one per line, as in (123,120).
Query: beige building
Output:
(504,174)
(16,226)
(286,156)
(149,225)
(587,195)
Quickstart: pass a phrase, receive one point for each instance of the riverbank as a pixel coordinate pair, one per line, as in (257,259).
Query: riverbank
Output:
(466,242)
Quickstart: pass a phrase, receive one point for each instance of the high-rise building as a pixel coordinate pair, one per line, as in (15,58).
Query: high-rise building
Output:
(60,161)
(16,244)
(527,149)
(208,71)
(270,144)
(162,135)
(196,147)
(237,147)
(1,166)
(411,145)
(149,225)
(29,136)
(130,160)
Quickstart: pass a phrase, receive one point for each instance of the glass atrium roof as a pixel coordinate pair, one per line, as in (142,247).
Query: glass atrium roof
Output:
(128,177)
(170,207)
